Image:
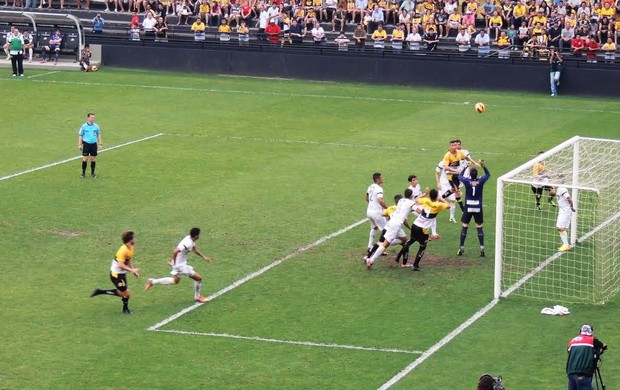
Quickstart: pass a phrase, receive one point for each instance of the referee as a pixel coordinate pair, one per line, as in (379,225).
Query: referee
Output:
(89,137)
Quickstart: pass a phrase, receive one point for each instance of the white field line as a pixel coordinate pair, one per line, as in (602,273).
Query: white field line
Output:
(76,158)
(305,343)
(338,144)
(438,345)
(42,74)
(317,96)
(257,273)
(488,307)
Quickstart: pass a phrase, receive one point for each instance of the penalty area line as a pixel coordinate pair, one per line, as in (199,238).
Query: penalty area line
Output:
(294,342)
(254,274)
(76,157)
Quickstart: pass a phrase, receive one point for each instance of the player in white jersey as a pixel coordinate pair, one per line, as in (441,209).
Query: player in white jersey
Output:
(445,189)
(414,186)
(376,205)
(180,267)
(393,232)
(565,213)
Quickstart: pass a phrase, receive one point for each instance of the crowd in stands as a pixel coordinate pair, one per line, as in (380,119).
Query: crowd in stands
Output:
(583,28)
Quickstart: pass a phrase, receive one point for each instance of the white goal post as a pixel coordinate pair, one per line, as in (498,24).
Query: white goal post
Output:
(528,261)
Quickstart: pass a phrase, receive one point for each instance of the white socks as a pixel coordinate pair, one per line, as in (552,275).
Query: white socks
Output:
(168,280)
(371,238)
(564,237)
(197,287)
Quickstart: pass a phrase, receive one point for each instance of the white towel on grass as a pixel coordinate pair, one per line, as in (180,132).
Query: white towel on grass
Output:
(556,310)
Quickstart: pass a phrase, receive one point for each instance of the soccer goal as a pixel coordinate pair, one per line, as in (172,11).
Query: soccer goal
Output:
(527,259)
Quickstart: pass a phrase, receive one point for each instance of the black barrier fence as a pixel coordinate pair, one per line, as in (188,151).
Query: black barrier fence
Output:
(436,70)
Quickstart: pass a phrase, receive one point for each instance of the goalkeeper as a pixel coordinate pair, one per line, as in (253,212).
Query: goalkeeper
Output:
(474,188)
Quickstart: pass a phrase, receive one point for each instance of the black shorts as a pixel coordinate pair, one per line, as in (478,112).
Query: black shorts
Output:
(478,217)
(419,235)
(89,149)
(119,281)
(455,181)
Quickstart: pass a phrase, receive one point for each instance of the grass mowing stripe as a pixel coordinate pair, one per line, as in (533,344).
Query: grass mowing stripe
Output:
(315,96)
(342,144)
(257,273)
(76,157)
(488,307)
(305,343)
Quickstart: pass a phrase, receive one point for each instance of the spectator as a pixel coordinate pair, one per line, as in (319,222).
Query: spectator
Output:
(203,10)
(482,42)
(183,13)
(198,28)
(376,18)
(592,46)
(431,38)
(135,20)
(555,33)
(53,45)
(273,33)
(519,13)
(566,38)
(523,35)
(503,45)
(330,9)
(617,28)
(286,28)
(339,17)
(98,22)
(360,9)
(215,14)
(360,37)
(398,36)
(28,44)
(273,13)
(392,12)
(134,32)
(578,46)
(246,13)
(495,25)
(297,32)
(441,18)
(414,40)
(234,15)
(342,41)
(463,40)
(161,30)
(318,34)
(404,18)
(224,31)
(148,25)
(603,29)
(244,34)
(609,48)
(488,8)
(379,36)
(454,22)
(583,25)
(512,36)
(263,21)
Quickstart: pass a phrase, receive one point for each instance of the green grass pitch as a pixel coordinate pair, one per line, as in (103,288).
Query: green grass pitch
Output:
(264,167)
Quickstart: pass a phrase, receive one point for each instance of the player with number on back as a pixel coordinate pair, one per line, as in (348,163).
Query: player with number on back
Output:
(474,188)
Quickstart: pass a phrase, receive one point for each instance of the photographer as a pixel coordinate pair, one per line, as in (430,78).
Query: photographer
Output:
(555,59)
(583,353)
(98,23)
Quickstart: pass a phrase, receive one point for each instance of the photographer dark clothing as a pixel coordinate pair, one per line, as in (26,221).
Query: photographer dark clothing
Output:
(583,351)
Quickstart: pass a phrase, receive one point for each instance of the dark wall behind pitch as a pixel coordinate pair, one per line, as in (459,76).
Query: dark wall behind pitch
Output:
(446,72)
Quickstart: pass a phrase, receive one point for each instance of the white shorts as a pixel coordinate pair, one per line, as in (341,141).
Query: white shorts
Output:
(393,232)
(445,187)
(183,270)
(377,220)
(564,217)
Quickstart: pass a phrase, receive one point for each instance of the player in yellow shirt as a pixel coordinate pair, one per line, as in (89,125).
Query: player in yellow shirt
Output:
(452,166)
(121,264)
(431,205)
(541,174)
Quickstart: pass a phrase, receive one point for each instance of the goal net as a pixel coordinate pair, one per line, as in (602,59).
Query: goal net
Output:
(528,261)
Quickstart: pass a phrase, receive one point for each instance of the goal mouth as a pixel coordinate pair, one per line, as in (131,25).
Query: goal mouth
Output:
(544,249)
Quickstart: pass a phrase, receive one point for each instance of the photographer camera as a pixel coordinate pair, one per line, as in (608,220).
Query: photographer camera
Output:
(488,382)
(584,351)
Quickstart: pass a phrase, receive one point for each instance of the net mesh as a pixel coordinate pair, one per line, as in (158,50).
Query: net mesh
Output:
(530,239)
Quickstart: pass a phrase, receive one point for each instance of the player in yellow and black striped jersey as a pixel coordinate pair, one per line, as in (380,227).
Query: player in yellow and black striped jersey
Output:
(121,264)
(431,206)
